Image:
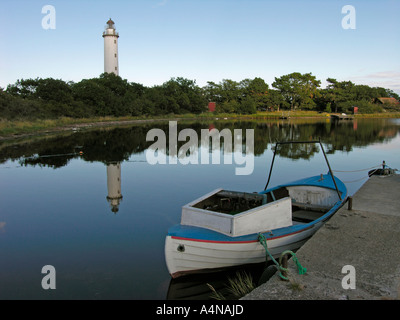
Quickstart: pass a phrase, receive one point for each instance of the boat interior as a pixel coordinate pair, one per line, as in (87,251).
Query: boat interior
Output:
(302,211)
(307,205)
(232,202)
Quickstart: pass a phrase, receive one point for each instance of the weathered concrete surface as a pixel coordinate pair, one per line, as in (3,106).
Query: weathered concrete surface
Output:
(367,237)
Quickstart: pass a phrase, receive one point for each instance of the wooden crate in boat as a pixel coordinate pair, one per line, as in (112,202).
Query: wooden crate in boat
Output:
(249,213)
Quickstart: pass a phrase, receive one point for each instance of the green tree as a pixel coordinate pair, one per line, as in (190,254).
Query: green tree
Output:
(227,106)
(392,94)
(91,93)
(48,89)
(257,89)
(339,92)
(364,92)
(226,90)
(275,100)
(247,106)
(240,97)
(54,90)
(213,92)
(298,89)
(184,96)
(24,88)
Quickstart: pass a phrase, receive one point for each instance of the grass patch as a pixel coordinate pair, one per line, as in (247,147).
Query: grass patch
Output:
(378,115)
(238,286)
(16,127)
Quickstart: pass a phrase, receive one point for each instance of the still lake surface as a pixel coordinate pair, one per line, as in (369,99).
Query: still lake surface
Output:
(54,208)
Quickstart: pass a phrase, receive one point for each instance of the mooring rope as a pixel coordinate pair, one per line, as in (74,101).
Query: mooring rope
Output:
(263,240)
(351,181)
(380,165)
(370,173)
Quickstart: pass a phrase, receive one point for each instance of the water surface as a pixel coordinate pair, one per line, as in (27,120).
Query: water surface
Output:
(54,208)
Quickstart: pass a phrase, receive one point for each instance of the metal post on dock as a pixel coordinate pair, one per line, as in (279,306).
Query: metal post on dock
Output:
(350,203)
(284,264)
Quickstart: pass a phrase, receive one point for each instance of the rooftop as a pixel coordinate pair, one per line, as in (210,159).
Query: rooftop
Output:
(110,24)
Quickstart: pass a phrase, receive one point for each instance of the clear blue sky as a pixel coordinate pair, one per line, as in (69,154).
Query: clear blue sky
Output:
(204,40)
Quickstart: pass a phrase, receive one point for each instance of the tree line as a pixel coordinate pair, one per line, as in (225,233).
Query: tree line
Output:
(110,95)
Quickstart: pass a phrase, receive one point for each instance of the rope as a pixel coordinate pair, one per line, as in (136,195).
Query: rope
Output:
(300,268)
(351,181)
(380,165)
(369,174)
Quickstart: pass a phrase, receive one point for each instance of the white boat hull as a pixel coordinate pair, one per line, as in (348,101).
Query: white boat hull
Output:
(184,256)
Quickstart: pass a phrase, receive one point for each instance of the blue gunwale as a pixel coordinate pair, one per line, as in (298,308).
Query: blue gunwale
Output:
(205,235)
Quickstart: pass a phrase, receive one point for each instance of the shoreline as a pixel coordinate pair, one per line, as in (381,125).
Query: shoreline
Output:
(10,130)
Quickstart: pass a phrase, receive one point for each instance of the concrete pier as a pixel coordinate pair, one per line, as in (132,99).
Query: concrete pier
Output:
(366,238)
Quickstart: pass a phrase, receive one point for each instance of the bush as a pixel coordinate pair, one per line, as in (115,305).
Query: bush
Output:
(363,106)
(247,106)
(227,107)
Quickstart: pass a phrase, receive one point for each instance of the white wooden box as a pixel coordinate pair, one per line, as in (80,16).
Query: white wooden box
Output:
(265,217)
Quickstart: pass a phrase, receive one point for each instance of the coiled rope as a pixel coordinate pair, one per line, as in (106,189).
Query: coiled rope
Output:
(263,240)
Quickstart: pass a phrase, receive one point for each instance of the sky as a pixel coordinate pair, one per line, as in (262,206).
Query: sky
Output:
(204,40)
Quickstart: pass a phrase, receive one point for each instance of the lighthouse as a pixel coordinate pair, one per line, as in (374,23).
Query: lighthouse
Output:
(111,48)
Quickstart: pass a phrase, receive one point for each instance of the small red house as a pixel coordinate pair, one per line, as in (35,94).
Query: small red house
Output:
(211,106)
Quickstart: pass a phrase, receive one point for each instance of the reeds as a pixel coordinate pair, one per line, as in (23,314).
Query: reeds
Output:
(240,285)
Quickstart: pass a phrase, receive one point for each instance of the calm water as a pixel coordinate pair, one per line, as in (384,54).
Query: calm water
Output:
(54,208)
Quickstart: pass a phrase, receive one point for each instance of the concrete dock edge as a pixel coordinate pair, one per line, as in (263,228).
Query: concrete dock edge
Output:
(366,238)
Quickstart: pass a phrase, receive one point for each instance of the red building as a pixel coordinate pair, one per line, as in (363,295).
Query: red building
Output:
(211,106)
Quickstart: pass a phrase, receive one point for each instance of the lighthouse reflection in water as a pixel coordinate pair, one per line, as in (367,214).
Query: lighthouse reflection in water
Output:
(114,196)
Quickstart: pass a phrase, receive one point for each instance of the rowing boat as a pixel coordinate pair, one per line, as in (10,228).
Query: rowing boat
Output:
(221,229)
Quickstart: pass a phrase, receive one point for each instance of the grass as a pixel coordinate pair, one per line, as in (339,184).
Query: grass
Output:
(378,115)
(15,127)
(9,128)
(238,286)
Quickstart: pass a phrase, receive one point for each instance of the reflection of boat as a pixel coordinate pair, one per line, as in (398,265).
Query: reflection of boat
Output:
(221,229)
(197,286)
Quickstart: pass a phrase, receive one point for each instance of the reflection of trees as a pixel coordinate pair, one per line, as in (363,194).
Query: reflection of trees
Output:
(118,144)
(103,145)
(346,135)
(298,151)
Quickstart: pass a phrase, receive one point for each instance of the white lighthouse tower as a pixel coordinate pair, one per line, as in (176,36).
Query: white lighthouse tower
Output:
(111,48)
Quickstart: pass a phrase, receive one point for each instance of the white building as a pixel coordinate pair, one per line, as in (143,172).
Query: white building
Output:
(111,48)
